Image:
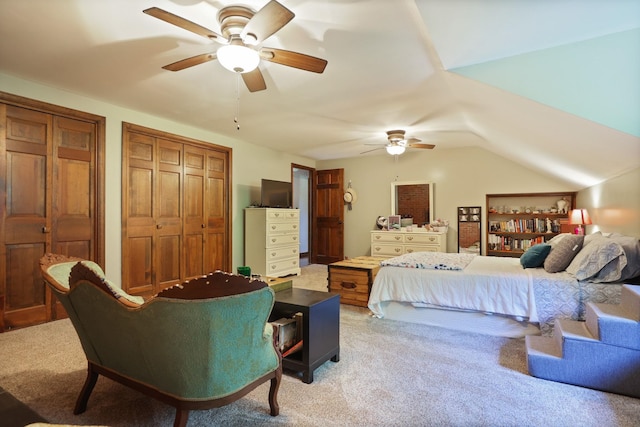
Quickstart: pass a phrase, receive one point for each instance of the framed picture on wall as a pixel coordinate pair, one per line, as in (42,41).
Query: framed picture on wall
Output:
(393,222)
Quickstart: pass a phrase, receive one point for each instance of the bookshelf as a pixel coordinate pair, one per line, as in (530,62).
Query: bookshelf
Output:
(518,221)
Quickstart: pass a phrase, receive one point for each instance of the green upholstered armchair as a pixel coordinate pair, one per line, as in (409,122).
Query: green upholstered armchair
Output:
(198,345)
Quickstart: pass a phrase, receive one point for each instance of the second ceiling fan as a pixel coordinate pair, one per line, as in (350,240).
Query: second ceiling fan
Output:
(398,143)
(242,30)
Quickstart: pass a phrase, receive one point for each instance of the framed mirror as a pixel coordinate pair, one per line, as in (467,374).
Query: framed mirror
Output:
(469,229)
(413,199)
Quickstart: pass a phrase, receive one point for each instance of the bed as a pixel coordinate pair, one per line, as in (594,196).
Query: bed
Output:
(506,296)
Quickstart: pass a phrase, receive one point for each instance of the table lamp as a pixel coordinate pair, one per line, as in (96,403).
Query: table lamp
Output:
(579,217)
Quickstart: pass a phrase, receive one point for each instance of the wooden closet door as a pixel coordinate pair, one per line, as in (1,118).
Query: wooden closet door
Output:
(25,166)
(169,213)
(217,249)
(176,209)
(206,204)
(195,234)
(152,243)
(73,191)
(51,200)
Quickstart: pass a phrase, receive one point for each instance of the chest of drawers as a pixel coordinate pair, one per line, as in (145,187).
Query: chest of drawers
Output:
(394,243)
(272,241)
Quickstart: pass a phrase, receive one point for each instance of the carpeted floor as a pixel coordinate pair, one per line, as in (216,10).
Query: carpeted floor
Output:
(390,374)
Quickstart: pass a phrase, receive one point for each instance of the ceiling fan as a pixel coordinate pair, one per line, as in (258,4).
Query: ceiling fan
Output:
(242,31)
(398,143)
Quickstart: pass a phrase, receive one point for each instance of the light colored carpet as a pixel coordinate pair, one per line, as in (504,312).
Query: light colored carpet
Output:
(390,374)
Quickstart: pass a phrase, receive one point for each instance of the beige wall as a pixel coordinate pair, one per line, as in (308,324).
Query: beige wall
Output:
(614,206)
(462,177)
(251,163)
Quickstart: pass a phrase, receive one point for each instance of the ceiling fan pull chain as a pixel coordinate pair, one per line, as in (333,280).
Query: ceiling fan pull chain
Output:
(237,117)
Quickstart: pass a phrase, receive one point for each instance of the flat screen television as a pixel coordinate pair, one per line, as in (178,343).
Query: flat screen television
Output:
(276,194)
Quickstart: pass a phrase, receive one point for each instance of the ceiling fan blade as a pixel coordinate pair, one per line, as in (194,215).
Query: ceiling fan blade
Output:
(293,59)
(178,21)
(190,62)
(254,80)
(267,21)
(412,140)
(427,146)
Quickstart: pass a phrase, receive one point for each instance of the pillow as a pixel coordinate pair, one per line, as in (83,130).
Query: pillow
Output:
(631,247)
(591,237)
(599,253)
(535,255)
(563,252)
(558,238)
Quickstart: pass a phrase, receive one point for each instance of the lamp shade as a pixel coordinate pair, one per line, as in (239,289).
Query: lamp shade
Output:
(238,58)
(579,217)
(395,149)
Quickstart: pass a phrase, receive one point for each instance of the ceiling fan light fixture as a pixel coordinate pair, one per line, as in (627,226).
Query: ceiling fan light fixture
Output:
(238,58)
(395,150)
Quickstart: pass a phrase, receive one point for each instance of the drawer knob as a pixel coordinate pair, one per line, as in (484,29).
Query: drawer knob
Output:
(409,238)
(397,237)
(432,239)
(348,285)
(398,250)
(377,237)
(409,250)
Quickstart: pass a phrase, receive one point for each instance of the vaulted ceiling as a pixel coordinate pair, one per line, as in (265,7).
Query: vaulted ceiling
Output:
(552,85)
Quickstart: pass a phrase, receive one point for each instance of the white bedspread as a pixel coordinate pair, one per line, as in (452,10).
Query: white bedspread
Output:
(488,284)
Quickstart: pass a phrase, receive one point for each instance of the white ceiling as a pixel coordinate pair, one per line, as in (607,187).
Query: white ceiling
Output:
(389,67)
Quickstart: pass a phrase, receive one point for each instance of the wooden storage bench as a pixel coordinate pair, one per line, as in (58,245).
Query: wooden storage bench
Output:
(352,279)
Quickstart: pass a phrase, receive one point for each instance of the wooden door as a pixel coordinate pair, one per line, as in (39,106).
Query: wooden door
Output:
(26,167)
(152,210)
(328,213)
(168,215)
(176,209)
(138,170)
(217,248)
(195,160)
(205,199)
(73,190)
(51,200)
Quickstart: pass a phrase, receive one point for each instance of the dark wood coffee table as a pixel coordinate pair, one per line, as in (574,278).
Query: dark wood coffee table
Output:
(320,328)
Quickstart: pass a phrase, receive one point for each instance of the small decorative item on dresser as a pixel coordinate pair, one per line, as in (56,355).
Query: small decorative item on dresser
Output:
(440,225)
(381,222)
(393,222)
